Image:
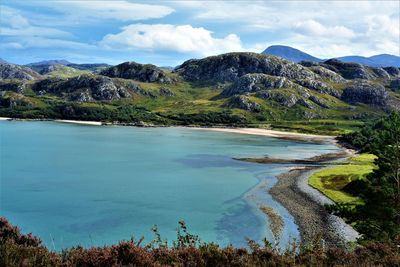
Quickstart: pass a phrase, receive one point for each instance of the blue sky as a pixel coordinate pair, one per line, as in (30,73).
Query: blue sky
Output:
(169,32)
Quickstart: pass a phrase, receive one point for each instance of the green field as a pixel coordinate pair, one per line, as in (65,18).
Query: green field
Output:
(331,181)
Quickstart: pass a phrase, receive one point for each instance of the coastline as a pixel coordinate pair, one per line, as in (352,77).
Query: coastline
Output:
(313,138)
(305,203)
(98,123)
(292,191)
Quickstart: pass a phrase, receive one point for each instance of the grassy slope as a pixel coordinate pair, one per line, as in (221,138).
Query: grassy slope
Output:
(330,181)
(195,98)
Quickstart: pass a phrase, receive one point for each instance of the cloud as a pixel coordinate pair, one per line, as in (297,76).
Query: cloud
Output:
(43,42)
(313,28)
(100,10)
(322,27)
(20,33)
(12,23)
(181,38)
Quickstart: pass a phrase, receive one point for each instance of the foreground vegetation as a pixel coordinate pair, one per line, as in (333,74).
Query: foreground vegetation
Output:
(334,181)
(373,209)
(378,216)
(17,249)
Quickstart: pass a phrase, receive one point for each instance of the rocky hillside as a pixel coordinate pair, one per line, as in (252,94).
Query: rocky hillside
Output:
(228,88)
(135,71)
(11,71)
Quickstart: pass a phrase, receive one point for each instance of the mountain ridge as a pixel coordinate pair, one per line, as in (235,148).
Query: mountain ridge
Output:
(296,55)
(239,88)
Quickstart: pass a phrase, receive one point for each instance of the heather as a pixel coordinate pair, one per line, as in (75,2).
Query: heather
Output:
(17,249)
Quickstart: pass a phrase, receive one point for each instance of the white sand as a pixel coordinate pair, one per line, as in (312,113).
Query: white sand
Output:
(4,119)
(81,122)
(273,133)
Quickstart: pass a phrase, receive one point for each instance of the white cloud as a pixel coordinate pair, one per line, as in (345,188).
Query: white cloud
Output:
(43,42)
(322,27)
(100,10)
(12,23)
(181,38)
(313,28)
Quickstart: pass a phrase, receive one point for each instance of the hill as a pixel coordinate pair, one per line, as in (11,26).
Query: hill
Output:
(50,62)
(295,55)
(383,60)
(289,53)
(229,89)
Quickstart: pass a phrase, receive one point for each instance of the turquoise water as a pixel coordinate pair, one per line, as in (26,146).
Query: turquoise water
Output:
(89,185)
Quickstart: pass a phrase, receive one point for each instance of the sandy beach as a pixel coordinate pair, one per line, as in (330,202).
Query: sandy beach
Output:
(5,119)
(81,122)
(273,133)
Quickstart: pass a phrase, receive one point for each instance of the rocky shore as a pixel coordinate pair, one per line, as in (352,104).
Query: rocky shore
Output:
(306,204)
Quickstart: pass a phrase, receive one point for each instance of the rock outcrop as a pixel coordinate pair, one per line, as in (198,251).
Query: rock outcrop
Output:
(14,101)
(243,102)
(395,84)
(135,71)
(393,71)
(229,67)
(328,74)
(255,82)
(17,86)
(11,71)
(365,92)
(164,91)
(349,70)
(286,100)
(82,88)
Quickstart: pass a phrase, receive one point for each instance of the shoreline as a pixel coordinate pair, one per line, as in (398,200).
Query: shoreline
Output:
(313,138)
(303,137)
(292,191)
(306,205)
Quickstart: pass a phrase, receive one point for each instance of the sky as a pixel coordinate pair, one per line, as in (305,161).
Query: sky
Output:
(166,33)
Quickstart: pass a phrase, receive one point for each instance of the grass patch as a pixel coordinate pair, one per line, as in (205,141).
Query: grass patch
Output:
(331,181)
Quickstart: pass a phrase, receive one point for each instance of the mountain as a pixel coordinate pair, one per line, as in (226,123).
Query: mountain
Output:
(50,62)
(295,55)
(93,67)
(2,61)
(383,60)
(228,89)
(289,53)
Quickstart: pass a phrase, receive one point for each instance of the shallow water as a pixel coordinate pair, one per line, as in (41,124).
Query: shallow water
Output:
(90,185)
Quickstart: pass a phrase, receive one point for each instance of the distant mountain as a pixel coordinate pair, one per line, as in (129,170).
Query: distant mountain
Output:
(383,60)
(94,67)
(289,53)
(2,61)
(295,55)
(50,62)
